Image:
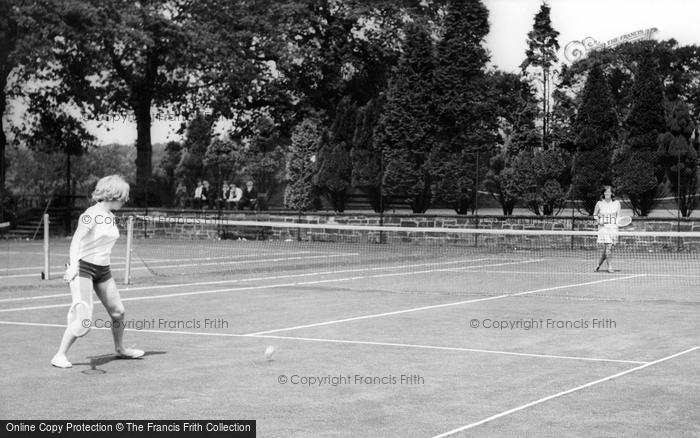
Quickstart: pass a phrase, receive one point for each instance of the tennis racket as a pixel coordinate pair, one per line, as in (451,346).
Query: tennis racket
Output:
(79,319)
(623,221)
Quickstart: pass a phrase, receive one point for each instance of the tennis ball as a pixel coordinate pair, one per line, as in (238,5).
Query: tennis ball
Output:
(269,352)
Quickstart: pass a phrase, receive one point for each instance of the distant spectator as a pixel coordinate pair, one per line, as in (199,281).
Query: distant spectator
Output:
(207,195)
(250,197)
(221,201)
(199,195)
(235,196)
(180,195)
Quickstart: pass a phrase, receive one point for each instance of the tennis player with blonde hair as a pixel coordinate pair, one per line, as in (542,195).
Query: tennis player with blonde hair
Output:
(89,270)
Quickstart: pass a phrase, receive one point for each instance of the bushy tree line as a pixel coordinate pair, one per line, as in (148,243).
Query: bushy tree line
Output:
(391,98)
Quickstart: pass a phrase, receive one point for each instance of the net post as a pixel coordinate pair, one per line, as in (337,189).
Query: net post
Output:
(299,229)
(129,239)
(47,247)
(381,224)
(573,226)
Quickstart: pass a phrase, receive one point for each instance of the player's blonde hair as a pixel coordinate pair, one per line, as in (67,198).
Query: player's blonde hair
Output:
(111,188)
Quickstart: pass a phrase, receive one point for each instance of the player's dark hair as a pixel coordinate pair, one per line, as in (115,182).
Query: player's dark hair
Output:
(612,192)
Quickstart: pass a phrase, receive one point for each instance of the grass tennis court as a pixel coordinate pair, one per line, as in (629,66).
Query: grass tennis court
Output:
(378,313)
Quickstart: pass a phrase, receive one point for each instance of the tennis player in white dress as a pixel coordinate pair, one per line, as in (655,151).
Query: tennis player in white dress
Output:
(89,270)
(606,213)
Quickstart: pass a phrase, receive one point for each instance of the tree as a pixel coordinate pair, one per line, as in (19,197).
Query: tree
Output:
(366,156)
(264,157)
(197,140)
(636,167)
(516,115)
(596,130)
(168,165)
(539,179)
(678,155)
(221,160)
(405,132)
(334,166)
(11,33)
(54,131)
(542,54)
(334,172)
(300,193)
(337,49)
(133,57)
(464,105)
(26,29)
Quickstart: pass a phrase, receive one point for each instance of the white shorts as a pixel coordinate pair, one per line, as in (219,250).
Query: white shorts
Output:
(608,234)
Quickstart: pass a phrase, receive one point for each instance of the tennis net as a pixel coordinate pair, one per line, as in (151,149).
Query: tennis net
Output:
(177,246)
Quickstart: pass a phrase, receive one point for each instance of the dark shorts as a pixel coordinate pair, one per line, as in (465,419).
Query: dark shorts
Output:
(97,273)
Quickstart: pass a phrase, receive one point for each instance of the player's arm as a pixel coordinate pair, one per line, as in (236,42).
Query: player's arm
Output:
(74,251)
(596,212)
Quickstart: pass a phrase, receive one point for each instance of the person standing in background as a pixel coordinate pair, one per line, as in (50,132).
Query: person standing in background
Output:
(207,195)
(199,195)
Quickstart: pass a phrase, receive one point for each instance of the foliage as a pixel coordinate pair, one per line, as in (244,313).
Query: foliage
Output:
(595,129)
(539,179)
(636,164)
(300,193)
(405,132)
(194,148)
(334,166)
(679,156)
(465,106)
(541,53)
(516,115)
(264,157)
(366,156)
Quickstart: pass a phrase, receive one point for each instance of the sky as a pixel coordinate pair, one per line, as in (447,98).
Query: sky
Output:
(510,21)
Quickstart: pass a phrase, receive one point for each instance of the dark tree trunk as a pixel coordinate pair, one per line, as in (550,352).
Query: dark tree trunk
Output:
(3,139)
(421,202)
(374,197)
(508,208)
(338,200)
(144,167)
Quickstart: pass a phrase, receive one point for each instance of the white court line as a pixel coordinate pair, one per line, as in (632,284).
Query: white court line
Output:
(186,265)
(234,257)
(238,289)
(339,341)
(438,306)
(175,259)
(618,272)
(432,347)
(238,262)
(243,280)
(562,393)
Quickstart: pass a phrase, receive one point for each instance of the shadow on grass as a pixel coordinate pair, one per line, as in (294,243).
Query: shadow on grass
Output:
(103,359)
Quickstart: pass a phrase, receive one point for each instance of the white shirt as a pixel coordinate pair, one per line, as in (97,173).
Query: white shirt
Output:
(97,244)
(235,195)
(608,212)
(198,192)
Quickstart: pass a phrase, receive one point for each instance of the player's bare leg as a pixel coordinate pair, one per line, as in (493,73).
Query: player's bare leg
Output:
(109,295)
